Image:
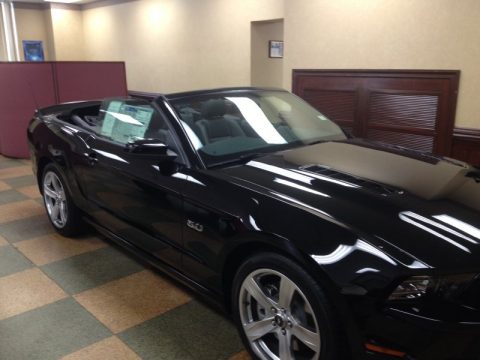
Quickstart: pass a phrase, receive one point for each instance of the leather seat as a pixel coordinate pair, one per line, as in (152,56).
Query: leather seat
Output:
(158,129)
(215,124)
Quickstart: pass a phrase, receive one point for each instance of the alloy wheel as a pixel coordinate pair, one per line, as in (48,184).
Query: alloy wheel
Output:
(277,318)
(55,199)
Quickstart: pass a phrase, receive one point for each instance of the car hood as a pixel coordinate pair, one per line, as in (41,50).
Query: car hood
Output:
(424,206)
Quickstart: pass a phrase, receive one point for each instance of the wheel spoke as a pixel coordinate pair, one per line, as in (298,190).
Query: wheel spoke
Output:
(55,211)
(49,192)
(284,347)
(56,184)
(287,289)
(256,292)
(256,330)
(309,338)
(63,212)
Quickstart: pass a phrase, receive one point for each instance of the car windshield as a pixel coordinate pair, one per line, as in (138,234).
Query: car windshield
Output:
(233,126)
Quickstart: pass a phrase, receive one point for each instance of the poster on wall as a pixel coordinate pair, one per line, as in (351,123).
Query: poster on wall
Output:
(33,50)
(275,48)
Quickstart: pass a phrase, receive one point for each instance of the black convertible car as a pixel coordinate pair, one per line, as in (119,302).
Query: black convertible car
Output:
(321,246)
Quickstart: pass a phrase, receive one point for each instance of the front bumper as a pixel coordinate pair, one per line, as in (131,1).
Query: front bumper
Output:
(446,332)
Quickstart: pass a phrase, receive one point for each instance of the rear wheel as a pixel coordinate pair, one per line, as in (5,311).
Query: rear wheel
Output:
(62,212)
(281,312)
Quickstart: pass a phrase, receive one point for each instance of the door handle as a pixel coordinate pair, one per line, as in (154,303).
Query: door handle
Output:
(92,159)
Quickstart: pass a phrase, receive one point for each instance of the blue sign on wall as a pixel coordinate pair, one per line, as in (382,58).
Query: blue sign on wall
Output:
(33,50)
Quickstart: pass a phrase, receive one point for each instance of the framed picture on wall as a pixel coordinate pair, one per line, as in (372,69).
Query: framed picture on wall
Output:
(275,49)
(33,50)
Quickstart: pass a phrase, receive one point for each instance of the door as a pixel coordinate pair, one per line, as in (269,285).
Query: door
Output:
(266,71)
(133,197)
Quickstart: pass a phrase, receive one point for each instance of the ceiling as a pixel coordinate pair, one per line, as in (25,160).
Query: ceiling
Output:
(44,2)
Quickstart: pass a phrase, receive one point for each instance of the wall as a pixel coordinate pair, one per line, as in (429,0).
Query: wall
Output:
(175,45)
(67,32)
(32,25)
(383,34)
(3,50)
(266,71)
(47,15)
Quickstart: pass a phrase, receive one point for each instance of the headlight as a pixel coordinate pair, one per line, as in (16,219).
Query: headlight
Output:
(413,288)
(463,288)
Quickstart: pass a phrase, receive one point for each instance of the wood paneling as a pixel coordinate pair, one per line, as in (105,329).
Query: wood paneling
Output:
(414,109)
(466,145)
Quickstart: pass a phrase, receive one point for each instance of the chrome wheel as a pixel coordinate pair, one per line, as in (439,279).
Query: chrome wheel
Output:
(55,199)
(277,318)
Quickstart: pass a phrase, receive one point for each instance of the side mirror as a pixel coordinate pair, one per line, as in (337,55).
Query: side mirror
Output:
(152,148)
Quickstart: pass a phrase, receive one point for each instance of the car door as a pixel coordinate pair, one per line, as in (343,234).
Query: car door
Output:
(133,197)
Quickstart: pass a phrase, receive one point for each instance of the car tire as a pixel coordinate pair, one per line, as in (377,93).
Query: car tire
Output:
(300,322)
(63,214)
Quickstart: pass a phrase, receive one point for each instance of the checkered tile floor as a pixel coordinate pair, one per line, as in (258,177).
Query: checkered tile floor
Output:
(84,298)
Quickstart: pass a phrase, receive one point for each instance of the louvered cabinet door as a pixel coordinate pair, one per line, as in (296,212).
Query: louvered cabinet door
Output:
(336,98)
(337,105)
(413,109)
(405,119)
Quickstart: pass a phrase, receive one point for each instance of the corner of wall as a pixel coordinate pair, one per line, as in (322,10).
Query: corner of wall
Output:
(3,50)
(51,39)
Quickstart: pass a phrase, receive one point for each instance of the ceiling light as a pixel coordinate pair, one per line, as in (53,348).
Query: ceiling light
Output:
(62,1)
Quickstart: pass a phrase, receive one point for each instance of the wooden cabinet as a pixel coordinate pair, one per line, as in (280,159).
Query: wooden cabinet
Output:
(415,109)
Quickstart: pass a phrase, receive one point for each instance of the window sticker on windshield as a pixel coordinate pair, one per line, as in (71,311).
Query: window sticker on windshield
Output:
(109,120)
(131,122)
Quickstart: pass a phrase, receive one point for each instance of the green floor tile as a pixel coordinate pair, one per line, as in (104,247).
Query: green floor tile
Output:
(49,332)
(10,196)
(12,261)
(83,272)
(10,164)
(191,331)
(21,181)
(25,229)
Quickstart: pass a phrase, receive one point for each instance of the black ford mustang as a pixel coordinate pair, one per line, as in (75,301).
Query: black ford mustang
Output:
(321,246)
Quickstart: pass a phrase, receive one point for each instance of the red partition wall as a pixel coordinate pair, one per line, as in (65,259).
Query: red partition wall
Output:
(25,87)
(90,80)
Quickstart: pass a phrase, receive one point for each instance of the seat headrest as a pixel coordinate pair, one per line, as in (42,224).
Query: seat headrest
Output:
(213,108)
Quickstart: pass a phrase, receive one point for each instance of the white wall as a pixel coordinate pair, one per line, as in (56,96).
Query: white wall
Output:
(3,51)
(32,25)
(388,34)
(68,33)
(175,45)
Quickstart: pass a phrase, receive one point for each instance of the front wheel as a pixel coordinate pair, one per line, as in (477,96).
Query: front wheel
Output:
(62,212)
(281,311)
